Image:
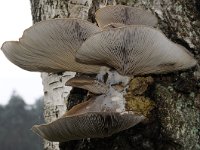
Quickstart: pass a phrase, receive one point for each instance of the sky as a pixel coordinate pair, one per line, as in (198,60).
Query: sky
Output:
(15,18)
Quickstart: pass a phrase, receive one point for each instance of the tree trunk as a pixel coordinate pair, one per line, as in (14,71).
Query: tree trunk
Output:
(176,120)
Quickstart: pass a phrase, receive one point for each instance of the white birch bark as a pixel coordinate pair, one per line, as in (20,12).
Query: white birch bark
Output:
(55,98)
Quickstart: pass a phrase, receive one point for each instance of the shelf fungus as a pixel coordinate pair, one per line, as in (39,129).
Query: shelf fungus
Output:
(134,50)
(124,45)
(50,46)
(92,85)
(120,15)
(98,117)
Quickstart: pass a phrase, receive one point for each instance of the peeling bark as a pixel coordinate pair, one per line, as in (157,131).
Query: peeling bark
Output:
(55,99)
(176,121)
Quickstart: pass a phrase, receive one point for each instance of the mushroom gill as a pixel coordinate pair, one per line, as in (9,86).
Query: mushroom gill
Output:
(96,118)
(126,15)
(50,46)
(92,124)
(134,50)
(92,85)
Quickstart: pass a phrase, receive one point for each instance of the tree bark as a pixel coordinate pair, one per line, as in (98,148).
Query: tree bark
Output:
(176,120)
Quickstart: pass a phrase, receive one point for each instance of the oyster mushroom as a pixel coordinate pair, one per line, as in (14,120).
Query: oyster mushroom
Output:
(113,25)
(50,46)
(97,118)
(89,84)
(92,124)
(134,50)
(124,15)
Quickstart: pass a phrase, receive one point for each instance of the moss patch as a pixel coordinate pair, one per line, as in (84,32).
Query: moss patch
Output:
(135,99)
(139,104)
(139,85)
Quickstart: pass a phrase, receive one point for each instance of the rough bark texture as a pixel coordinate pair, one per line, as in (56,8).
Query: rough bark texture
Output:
(176,120)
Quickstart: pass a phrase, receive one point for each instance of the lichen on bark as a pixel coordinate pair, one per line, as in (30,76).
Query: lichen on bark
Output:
(179,117)
(175,124)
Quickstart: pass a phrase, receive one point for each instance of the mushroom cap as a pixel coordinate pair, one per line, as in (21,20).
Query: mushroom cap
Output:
(113,25)
(88,125)
(95,118)
(124,15)
(134,50)
(50,46)
(112,102)
(89,84)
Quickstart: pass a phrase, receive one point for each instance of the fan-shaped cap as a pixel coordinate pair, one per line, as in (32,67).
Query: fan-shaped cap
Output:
(89,84)
(89,125)
(95,118)
(124,15)
(135,50)
(50,46)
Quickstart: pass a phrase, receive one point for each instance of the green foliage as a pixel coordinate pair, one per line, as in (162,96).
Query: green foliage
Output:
(16,120)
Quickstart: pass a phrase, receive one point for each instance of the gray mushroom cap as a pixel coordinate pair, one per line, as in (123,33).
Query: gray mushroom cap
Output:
(124,15)
(50,46)
(113,25)
(95,118)
(135,50)
(89,84)
(88,125)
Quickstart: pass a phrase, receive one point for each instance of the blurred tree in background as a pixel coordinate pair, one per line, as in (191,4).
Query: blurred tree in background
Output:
(16,120)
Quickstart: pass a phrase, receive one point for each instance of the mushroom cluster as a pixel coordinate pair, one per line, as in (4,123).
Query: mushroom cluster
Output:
(123,45)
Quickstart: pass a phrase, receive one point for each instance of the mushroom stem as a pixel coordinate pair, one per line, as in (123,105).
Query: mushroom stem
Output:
(127,93)
(112,77)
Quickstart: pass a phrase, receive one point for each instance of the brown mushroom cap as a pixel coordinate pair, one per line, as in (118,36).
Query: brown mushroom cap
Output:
(124,15)
(89,84)
(135,50)
(50,46)
(88,125)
